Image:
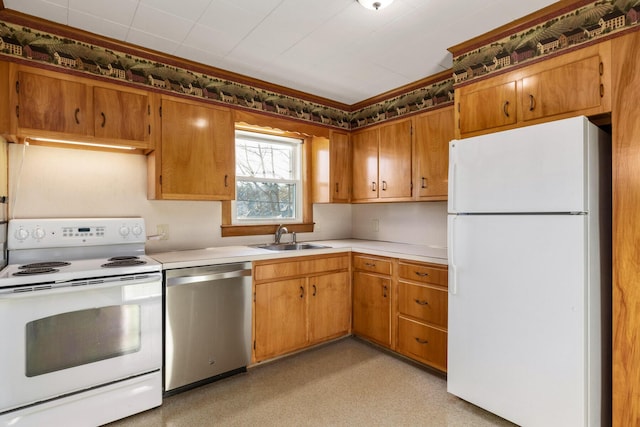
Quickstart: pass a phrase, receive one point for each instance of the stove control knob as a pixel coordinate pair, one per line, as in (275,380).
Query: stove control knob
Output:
(124,231)
(21,234)
(136,230)
(39,233)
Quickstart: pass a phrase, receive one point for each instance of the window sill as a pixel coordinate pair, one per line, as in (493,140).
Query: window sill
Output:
(255,230)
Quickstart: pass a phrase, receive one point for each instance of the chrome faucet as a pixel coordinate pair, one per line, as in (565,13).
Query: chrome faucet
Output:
(279,232)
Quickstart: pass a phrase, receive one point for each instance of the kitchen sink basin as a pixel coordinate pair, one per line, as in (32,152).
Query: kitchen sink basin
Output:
(289,246)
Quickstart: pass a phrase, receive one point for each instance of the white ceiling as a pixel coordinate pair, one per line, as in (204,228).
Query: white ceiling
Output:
(335,49)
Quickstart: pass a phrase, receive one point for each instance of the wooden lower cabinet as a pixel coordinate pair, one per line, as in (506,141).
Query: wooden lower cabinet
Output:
(372,307)
(312,305)
(422,313)
(422,342)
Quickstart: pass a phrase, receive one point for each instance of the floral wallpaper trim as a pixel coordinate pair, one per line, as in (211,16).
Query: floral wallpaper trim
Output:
(566,30)
(38,46)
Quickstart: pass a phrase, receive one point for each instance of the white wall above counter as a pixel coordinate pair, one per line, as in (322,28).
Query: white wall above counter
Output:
(228,254)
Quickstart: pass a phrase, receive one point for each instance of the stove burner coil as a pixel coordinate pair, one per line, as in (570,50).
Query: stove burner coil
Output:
(124,263)
(122,258)
(34,271)
(47,264)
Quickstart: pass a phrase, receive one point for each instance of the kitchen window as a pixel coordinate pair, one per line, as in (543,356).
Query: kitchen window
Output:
(268,179)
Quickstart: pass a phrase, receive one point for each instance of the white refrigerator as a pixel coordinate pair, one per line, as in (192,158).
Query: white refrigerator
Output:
(529,273)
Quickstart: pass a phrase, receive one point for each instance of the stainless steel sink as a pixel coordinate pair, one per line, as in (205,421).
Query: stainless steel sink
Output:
(289,246)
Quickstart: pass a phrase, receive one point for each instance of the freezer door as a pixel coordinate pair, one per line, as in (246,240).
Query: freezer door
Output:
(538,168)
(517,343)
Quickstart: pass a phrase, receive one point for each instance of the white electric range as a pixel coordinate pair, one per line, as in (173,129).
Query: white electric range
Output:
(81,315)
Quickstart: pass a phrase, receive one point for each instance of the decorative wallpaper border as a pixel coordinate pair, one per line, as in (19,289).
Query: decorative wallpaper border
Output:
(34,45)
(566,30)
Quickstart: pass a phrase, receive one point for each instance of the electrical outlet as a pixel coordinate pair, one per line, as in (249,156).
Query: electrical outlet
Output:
(375,225)
(163,230)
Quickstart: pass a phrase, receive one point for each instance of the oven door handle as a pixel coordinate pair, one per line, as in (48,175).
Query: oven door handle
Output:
(131,287)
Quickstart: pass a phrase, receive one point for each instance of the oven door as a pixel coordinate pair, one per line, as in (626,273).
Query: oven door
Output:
(67,339)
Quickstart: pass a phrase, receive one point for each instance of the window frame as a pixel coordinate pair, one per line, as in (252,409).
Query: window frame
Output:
(296,143)
(269,125)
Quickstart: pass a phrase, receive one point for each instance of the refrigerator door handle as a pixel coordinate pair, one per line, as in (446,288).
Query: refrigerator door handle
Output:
(453,280)
(452,186)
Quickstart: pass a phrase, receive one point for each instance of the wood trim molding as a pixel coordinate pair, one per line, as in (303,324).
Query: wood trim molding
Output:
(517,25)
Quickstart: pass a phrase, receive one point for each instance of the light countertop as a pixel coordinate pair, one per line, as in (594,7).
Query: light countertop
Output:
(229,254)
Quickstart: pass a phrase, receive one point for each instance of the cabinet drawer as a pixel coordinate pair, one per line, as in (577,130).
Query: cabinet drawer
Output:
(372,264)
(423,302)
(279,270)
(423,273)
(423,343)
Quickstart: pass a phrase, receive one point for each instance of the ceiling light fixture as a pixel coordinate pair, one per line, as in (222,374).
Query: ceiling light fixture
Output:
(375,4)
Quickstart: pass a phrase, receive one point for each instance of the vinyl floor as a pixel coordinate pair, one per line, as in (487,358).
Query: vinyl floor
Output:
(344,383)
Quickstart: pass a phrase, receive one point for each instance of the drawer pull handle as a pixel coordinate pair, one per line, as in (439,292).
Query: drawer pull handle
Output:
(75,115)
(104,120)
(421,274)
(369,264)
(532,102)
(315,290)
(373,186)
(424,182)
(384,185)
(384,291)
(421,341)
(421,302)
(301,292)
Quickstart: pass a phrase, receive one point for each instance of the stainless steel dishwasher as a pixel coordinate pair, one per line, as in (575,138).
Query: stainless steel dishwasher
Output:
(207,324)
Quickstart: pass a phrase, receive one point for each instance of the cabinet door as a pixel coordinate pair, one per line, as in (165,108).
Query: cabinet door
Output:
(198,159)
(280,317)
(395,160)
(372,307)
(340,174)
(433,131)
(365,164)
(486,108)
(51,104)
(329,306)
(564,89)
(121,115)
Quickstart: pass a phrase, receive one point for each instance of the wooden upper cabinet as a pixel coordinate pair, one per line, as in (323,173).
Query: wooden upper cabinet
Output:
(395,160)
(119,114)
(567,85)
(433,131)
(570,87)
(59,107)
(197,159)
(382,163)
(365,164)
(331,168)
(487,108)
(52,104)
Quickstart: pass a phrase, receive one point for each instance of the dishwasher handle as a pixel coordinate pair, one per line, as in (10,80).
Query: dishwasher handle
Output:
(185,280)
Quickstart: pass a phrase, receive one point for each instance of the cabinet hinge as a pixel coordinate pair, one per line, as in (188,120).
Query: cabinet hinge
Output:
(458,107)
(18,86)
(160,179)
(149,129)
(17,111)
(411,130)
(254,297)
(254,344)
(148,109)
(160,109)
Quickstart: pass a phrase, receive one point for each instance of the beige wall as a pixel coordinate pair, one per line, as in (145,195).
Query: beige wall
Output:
(57,182)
